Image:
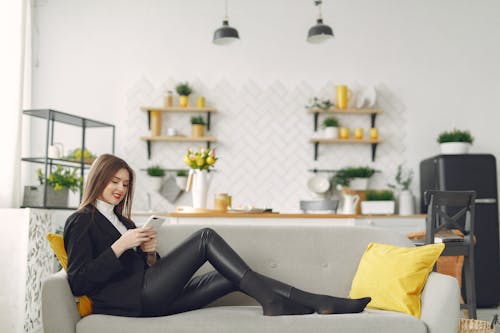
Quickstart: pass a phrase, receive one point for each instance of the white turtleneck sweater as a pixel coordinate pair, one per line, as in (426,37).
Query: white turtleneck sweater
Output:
(106,209)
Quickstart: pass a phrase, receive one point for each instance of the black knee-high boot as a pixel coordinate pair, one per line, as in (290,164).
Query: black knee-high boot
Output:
(227,262)
(322,304)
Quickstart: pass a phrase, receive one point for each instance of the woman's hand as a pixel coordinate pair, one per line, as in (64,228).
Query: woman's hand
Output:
(149,245)
(132,238)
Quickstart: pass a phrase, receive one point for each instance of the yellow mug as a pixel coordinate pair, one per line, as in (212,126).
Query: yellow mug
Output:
(201,102)
(358,133)
(344,133)
(344,94)
(373,133)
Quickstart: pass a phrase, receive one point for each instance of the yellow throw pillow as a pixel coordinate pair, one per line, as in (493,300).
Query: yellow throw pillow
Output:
(394,276)
(56,241)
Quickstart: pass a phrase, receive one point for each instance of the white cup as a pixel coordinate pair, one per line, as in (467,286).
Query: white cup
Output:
(171,131)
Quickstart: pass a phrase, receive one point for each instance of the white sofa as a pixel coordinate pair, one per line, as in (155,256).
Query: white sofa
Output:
(321,259)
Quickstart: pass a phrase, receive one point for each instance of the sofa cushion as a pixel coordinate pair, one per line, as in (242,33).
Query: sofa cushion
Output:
(394,276)
(250,319)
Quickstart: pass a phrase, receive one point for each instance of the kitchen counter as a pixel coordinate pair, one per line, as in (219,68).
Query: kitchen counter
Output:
(403,224)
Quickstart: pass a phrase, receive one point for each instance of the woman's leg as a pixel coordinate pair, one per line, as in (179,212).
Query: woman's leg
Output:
(165,281)
(322,304)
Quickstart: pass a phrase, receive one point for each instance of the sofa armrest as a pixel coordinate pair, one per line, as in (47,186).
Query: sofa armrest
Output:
(441,303)
(59,311)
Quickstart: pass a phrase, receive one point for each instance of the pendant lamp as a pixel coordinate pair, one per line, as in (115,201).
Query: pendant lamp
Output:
(319,32)
(226,34)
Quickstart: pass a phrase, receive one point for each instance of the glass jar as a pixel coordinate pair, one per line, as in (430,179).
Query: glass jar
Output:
(221,202)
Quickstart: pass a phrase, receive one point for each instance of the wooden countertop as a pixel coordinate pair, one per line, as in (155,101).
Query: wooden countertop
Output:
(272,215)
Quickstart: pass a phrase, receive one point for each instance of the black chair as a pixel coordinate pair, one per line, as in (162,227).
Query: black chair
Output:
(447,210)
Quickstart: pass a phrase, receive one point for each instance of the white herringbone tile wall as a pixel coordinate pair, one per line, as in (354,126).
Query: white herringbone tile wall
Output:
(263,144)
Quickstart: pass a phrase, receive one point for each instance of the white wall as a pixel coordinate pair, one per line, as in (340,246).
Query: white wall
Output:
(439,58)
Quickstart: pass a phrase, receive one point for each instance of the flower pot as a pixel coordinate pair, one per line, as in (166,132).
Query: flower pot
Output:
(200,188)
(406,203)
(155,123)
(377,207)
(157,182)
(183,101)
(452,148)
(331,132)
(197,131)
(359,184)
(33,196)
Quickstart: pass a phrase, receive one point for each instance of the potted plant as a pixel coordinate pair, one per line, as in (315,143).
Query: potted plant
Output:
(316,103)
(76,155)
(331,126)
(59,182)
(156,174)
(181,177)
(455,142)
(402,184)
(184,90)
(378,202)
(354,177)
(197,127)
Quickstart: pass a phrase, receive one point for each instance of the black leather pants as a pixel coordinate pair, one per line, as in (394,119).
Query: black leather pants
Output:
(169,286)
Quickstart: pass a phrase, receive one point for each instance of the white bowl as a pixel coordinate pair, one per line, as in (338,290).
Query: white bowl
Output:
(318,184)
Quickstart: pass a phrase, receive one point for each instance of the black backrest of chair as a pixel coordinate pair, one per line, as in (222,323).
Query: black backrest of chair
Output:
(449,210)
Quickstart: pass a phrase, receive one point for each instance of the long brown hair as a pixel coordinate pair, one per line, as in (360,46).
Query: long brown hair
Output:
(101,172)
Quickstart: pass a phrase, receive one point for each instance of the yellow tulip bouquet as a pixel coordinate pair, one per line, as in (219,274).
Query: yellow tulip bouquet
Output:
(201,160)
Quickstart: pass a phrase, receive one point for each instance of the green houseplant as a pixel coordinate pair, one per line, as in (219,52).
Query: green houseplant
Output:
(197,126)
(378,202)
(316,103)
(402,184)
(331,125)
(156,174)
(59,182)
(455,141)
(184,90)
(354,177)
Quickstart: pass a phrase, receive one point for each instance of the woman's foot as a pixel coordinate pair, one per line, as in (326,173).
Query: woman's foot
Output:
(281,306)
(324,304)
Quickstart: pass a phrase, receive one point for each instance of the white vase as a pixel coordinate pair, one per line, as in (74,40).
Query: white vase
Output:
(406,203)
(331,132)
(454,147)
(200,188)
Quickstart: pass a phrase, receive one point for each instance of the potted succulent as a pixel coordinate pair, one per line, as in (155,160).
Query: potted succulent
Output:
(355,178)
(181,177)
(378,202)
(156,174)
(402,184)
(184,90)
(59,182)
(455,141)
(197,127)
(331,126)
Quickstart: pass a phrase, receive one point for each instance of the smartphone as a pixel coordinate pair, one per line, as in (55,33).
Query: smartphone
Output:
(155,222)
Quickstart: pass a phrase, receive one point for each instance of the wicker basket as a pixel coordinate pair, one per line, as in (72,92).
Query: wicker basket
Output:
(474,326)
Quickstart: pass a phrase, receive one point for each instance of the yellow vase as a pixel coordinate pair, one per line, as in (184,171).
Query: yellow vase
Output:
(155,123)
(197,131)
(344,133)
(373,133)
(343,97)
(358,133)
(183,101)
(201,102)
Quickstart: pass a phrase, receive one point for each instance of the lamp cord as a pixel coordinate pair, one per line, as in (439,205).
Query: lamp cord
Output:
(318,3)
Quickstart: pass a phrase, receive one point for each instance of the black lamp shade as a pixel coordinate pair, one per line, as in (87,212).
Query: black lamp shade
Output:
(225,34)
(319,33)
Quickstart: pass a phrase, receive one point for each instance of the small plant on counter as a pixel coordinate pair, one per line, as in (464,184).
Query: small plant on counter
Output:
(197,120)
(61,178)
(202,160)
(455,136)
(155,171)
(181,173)
(183,89)
(344,176)
(381,195)
(330,122)
(403,179)
(315,102)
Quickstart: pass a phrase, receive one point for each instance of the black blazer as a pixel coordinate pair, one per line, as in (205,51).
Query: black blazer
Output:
(114,284)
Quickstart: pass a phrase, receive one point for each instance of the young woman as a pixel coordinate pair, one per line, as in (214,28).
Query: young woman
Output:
(108,261)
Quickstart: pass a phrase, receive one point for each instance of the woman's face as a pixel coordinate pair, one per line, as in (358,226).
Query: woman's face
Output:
(117,188)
